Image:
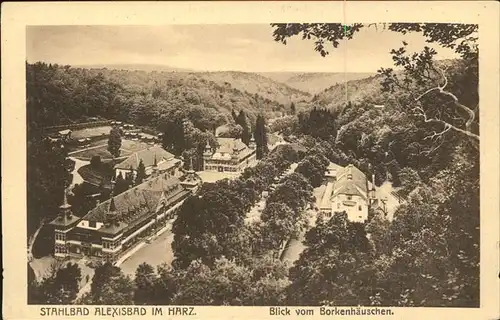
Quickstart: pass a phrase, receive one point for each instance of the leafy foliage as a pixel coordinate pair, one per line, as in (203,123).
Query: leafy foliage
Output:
(114,142)
(260,135)
(110,287)
(61,287)
(141,173)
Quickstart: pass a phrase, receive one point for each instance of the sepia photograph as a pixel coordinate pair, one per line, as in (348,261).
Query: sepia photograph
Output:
(310,168)
(278,164)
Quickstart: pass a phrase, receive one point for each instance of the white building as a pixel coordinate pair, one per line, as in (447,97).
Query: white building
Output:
(231,155)
(348,190)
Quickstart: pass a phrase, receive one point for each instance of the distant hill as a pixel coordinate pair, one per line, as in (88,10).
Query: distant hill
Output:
(314,82)
(134,67)
(254,83)
(367,89)
(249,92)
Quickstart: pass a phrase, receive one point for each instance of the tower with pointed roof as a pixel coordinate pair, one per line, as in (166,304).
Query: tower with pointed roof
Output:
(111,215)
(191,180)
(252,144)
(62,224)
(207,154)
(154,168)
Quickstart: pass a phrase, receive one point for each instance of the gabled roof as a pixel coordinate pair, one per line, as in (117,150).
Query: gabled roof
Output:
(358,178)
(147,156)
(349,189)
(138,201)
(350,181)
(227,145)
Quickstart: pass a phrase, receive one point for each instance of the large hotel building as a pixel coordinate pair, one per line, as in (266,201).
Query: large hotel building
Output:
(231,155)
(111,228)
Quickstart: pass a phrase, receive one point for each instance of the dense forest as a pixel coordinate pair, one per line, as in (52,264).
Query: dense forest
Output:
(424,139)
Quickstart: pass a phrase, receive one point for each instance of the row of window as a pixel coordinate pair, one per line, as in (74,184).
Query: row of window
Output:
(60,236)
(359,207)
(221,169)
(111,245)
(60,249)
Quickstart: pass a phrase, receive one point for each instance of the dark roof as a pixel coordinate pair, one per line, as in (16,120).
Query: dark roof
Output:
(95,175)
(147,156)
(112,206)
(350,181)
(65,220)
(227,145)
(139,201)
(114,228)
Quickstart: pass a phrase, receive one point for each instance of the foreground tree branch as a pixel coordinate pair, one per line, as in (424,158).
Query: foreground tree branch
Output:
(471,114)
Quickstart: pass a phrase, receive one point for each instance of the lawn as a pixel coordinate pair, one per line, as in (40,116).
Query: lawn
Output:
(91,132)
(128,148)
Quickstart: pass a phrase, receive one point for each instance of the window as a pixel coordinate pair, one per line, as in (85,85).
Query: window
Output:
(338,205)
(349,197)
(92,224)
(359,208)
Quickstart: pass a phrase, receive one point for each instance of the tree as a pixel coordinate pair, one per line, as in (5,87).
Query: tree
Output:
(225,284)
(422,87)
(114,142)
(260,136)
(141,173)
(228,283)
(61,287)
(295,191)
(233,131)
(95,162)
(427,240)
(409,180)
(204,222)
(120,185)
(174,138)
(292,108)
(313,167)
(233,114)
(145,282)
(47,178)
(335,267)
(242,120)
(279,225)
(110,286)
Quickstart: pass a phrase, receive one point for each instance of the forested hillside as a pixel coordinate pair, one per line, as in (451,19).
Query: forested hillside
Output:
(257,84)
(315,82)
(62,94)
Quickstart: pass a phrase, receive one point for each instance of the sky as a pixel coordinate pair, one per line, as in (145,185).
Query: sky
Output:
(202,47)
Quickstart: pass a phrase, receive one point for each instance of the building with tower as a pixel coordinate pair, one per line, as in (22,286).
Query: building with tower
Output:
(155,155)
(231,155)
(107,231)
(191,180)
